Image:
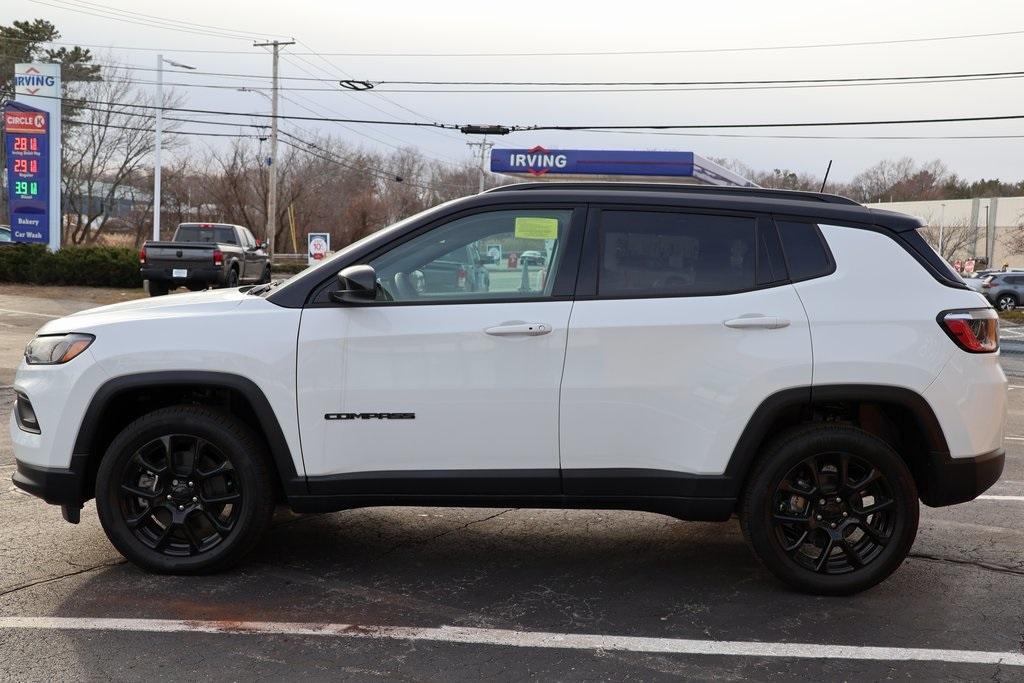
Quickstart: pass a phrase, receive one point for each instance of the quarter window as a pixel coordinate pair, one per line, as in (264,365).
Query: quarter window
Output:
(649,253)
(805,250)
(497,255)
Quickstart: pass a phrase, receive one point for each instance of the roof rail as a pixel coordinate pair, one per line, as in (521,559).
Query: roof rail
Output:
(679,188)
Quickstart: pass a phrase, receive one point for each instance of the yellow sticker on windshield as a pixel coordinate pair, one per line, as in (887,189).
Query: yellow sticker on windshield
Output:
(534,228)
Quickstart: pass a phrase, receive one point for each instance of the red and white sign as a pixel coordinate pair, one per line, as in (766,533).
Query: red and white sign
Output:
(33,122)
(969,265)
(319,246)
(958,266)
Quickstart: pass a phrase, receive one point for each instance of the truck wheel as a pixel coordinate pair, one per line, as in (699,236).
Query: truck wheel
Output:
(265,278)
(830,510)
(185,490)
(157,288)
(232,278)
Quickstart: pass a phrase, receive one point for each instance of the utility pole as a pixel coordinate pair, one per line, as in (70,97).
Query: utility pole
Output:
(157,202)
(484,148)
(942,226)
(272,161)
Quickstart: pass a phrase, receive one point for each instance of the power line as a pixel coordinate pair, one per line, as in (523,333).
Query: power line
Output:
(375,82)
(968,36)
(147,20)
(531,128)
(476,91)
(809,137)
(601,53)
(100,124)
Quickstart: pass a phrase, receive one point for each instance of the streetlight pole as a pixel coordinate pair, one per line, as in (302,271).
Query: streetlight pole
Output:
(272,193)
(157,202)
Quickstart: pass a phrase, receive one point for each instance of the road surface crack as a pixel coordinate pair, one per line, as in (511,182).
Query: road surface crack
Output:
(461,527)
(61,577)
(974,563)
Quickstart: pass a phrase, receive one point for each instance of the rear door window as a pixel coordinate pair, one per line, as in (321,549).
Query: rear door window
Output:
(655,253)
(805,250)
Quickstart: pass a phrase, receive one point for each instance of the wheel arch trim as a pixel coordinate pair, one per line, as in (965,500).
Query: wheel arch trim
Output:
(773,408)
(291,481)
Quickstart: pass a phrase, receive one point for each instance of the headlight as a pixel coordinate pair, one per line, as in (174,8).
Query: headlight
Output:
(56,349)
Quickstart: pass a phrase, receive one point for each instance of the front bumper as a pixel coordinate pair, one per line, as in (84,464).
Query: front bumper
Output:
(56,485)
(949,481)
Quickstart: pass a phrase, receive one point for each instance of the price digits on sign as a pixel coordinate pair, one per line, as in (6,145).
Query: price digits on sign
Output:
(26,144)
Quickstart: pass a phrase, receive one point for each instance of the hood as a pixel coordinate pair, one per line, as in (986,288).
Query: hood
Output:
(171,305)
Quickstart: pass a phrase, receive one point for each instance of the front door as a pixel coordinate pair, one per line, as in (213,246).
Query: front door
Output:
(448,382)
(688,325)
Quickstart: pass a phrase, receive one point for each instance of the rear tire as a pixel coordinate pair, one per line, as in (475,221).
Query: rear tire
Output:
(157,288)
(185,490)
(232,278)
(830,510)
(265,278)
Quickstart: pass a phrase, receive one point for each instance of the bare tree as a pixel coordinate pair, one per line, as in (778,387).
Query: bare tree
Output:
(103,150)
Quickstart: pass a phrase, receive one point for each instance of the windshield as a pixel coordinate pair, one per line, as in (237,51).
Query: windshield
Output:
(321,270)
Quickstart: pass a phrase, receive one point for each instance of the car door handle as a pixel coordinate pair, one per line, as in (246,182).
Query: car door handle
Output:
(762,322)
(520,329)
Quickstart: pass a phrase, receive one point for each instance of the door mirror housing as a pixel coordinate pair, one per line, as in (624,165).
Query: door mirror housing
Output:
(356,285)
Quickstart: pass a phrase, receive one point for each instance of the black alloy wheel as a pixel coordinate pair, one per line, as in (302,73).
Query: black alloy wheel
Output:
(179,495)
(834,513)
(185,489)
(830,509)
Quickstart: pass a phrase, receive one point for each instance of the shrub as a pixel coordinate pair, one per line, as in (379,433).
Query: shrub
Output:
(93,266)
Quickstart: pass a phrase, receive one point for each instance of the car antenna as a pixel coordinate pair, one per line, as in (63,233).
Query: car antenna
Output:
(825,179)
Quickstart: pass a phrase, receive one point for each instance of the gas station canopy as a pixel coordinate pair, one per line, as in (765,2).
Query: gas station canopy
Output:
(539,163)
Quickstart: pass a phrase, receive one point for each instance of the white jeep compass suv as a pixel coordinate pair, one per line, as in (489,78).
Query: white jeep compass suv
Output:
(696,352)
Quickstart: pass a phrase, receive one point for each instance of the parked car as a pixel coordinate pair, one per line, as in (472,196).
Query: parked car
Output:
(531,258)
(202,255)
(705,371)
(461,270)
(5,233)
(1005,290)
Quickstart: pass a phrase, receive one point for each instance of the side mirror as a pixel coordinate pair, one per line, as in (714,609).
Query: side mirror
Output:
(356,285)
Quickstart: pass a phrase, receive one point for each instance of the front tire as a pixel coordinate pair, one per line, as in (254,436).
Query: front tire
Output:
(830,510)
(185,490)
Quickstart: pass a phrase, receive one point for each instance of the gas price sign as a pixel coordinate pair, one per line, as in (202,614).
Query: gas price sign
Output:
(26,133)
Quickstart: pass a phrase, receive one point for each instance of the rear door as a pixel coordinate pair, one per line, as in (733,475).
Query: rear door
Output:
(684,323)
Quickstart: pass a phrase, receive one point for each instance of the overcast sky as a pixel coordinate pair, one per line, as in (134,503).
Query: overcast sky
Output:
(564,26)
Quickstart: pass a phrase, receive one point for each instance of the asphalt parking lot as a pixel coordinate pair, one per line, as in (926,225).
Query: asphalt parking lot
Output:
(414,594)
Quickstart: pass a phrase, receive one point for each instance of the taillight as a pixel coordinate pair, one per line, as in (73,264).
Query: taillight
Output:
(460,277)
(218,257)
(974,330)
(142,256)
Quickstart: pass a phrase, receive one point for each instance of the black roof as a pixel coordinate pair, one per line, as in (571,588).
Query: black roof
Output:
(679,188)
(816,205)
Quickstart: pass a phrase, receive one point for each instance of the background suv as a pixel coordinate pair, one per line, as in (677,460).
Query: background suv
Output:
(683,353)
(1004,290)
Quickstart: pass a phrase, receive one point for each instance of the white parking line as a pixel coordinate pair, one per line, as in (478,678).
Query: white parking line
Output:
(41,315)
(1017,498)
(508,638)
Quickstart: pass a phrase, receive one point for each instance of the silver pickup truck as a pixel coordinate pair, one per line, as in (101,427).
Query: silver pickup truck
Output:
(202,255)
